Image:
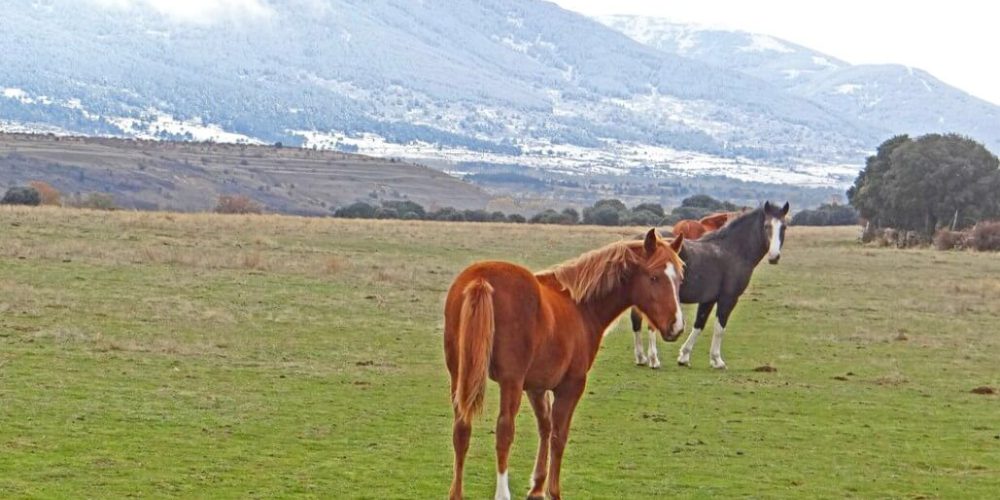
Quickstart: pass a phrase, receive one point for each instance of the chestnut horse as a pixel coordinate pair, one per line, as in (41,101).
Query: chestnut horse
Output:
(694,229)
(536,333)
(690,229)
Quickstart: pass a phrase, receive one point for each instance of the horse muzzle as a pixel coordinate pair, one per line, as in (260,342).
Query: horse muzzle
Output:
(672,337)
(773,260)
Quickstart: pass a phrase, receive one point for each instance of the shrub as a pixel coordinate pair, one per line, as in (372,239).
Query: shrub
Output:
(602,216)
(19,195)
(99,201)
(386,213)
(550,216)
(237,204)
(359,210)
(827,215)
(986,236)
(447,214)
(48,194)
(516,218)
(949,240)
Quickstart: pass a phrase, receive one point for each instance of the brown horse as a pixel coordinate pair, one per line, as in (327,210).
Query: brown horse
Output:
(695,229)
(713,222)
(688,228)
(540,332)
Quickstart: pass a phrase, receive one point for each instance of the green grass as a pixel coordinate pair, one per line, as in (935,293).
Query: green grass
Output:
(213,356)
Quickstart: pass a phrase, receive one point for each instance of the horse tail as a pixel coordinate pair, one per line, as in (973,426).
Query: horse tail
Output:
(475,344)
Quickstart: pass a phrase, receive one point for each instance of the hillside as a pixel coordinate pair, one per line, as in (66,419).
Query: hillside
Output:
(509,82)
(188,176)
(889,98)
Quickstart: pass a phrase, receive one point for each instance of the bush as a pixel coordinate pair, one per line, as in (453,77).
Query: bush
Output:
(643,218)
(447,214)
(98,201)
(516,218)
(48,194)
(237,204)
(386,213)
(550,216)
(602,216)
(986,236)
(359,210)
(827,215)
(949,240)
(18,195)
(406,209)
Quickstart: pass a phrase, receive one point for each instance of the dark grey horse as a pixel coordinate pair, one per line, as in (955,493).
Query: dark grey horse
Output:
(717,269)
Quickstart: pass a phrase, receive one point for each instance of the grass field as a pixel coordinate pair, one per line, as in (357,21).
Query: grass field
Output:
(153,354)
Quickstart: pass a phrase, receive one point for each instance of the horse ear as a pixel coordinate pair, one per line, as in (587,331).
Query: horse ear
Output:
(767,207)
(650,242)
(784,209)
(677,243)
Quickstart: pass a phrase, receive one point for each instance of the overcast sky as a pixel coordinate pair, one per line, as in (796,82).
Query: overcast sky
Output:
(957,41)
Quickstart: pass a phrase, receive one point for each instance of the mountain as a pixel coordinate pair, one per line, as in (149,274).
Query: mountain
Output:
(511,83)
(492,90)
(890,99)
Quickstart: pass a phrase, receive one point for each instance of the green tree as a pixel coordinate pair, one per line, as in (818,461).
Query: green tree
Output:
(570,216)
(867,194)
(611,203)
(927,183)
(21,196)
(655,208)
(603,216)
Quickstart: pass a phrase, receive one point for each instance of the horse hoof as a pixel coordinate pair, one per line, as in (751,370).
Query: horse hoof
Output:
(685,363)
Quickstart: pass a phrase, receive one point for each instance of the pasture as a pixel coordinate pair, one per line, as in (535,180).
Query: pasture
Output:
(157,354)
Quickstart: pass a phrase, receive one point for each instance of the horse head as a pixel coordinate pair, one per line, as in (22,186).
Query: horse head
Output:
(774,224)
(655,286)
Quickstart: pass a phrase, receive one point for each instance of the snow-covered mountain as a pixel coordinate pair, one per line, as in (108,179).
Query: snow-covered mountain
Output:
(889,98)
(517,83)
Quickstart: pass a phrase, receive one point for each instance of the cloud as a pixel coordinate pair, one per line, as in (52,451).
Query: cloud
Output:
(198,11)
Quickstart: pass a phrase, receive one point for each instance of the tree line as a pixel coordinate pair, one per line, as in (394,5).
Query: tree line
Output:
(607,212)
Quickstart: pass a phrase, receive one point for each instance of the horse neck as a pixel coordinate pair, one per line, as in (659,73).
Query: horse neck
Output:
(600,312)
(750,241)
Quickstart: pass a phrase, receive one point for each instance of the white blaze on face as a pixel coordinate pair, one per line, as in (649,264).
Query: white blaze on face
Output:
(774,250)
(674,278)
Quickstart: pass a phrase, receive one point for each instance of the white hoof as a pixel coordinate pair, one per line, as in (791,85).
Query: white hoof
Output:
(654,363)
(684,359)
(717,363)
(640,359)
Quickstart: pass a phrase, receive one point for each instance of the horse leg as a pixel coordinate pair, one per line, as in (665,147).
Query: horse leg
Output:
(721,319)
(510,403)
(543,414)
(640,356)
(461,431)
(654,354)
(567,396)
(704,310)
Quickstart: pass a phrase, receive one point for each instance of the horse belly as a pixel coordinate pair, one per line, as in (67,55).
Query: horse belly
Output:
(548,367)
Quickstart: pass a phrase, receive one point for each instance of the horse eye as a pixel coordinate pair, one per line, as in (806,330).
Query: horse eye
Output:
(655,278)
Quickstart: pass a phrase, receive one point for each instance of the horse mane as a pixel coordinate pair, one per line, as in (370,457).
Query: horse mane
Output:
(598,272)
